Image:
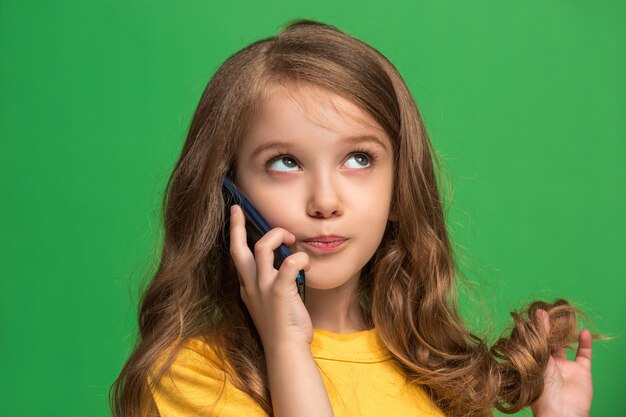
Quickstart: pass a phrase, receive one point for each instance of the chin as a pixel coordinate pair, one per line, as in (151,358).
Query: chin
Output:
(322,286)
(331,281)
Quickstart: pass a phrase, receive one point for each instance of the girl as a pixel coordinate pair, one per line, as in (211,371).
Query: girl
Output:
(320,132)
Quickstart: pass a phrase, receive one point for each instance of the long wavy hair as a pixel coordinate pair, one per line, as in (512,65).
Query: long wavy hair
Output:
(407,289)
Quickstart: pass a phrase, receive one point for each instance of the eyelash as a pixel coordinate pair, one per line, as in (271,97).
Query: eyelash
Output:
(371,154)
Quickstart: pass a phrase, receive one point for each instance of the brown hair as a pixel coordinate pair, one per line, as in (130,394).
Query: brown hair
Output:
(406,290)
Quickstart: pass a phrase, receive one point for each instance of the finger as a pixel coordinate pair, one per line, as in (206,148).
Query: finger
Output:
(264,253)
(290,268)
(239,251)
(583,354)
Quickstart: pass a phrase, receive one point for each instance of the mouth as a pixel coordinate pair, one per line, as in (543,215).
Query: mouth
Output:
(326,239)
(325,244)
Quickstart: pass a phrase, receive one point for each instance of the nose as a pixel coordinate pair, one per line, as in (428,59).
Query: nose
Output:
(324,197)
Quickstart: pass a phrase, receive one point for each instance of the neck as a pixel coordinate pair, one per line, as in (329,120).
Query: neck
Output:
(336,309)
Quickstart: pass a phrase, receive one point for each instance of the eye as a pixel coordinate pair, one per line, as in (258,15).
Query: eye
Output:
(362,160)
(286,161)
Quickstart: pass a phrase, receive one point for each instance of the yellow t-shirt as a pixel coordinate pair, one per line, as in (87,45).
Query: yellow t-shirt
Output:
(360,376)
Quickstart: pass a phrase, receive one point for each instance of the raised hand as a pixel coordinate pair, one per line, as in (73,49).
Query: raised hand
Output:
(567,384)
(271,296)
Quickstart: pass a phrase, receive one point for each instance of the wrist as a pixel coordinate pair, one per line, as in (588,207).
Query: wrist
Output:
(287,350)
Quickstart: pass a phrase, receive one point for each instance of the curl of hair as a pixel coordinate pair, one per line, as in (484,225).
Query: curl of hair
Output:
(406,290)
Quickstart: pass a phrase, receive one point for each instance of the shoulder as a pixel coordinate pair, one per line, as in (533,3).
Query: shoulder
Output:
(196,383)
(196,357)
(199,350)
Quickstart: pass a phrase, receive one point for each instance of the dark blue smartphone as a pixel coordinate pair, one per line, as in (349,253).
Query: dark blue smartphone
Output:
(256,227)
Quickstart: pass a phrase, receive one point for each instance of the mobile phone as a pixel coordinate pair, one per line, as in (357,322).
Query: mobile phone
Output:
(256,227)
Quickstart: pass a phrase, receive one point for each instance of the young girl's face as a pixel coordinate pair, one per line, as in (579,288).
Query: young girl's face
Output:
(315,164)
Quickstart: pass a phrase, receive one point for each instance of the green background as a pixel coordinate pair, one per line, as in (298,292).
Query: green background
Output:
(524,102)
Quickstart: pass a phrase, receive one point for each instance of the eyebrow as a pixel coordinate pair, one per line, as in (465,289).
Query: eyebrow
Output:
(347,140)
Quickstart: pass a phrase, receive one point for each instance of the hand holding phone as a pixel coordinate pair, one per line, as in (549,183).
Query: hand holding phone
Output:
(256,227)
(276,307)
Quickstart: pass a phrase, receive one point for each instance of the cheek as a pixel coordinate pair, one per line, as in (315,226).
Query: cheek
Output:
(376,197)
(274,209)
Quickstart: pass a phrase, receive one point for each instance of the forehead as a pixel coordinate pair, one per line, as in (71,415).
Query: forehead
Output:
(298,107)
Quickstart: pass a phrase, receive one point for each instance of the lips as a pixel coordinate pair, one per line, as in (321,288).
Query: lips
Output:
(326,243)
(326,239)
